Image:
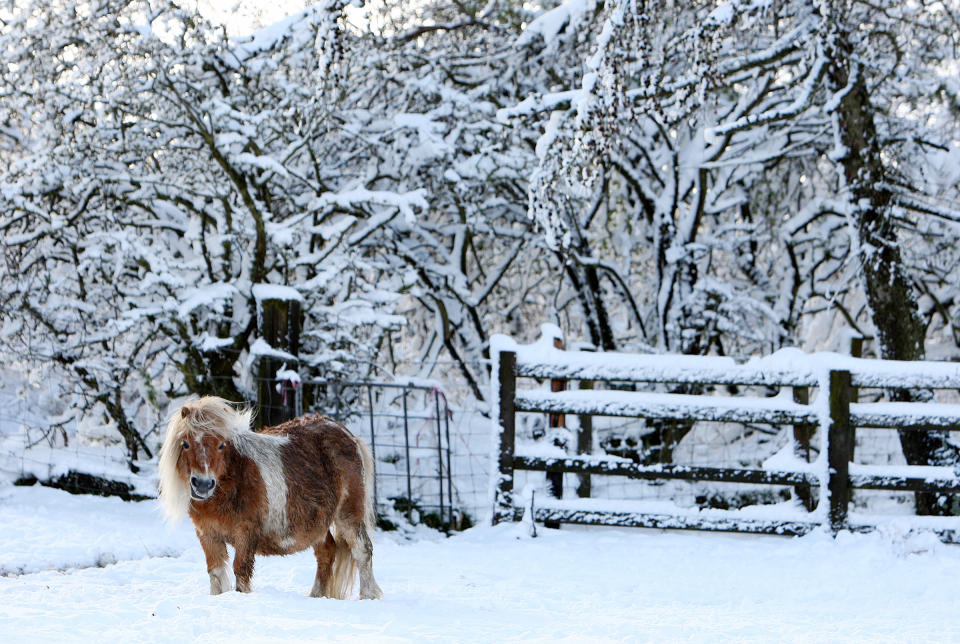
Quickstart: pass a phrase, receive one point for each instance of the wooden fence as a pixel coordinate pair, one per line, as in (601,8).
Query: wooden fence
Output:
(834,411)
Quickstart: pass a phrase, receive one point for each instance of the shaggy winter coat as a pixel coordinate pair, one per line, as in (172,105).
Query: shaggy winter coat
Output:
(305,483)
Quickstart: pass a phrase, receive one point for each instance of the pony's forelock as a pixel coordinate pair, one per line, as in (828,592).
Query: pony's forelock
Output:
(207,415)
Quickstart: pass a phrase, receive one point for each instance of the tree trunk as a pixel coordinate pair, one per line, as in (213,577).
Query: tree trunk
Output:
(893,305)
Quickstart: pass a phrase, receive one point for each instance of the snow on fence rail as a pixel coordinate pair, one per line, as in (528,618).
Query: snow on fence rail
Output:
(836,376)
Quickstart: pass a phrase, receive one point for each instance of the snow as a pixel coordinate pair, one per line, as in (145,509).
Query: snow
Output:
(929,472)
(405,202)
(207,343)
(550,133)
(660,405)
(784,367)
(485,585)
(723,14)
(95,531)
(263,162)
(905,414)
(261,348)
(786,460)
(270,36)
(564,18)
(428,131)
(777,410)
(276,292)
(194,298)
(779,513)
(534,104)
(285,374)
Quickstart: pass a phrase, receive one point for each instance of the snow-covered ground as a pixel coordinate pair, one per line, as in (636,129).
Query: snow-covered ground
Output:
(83,568)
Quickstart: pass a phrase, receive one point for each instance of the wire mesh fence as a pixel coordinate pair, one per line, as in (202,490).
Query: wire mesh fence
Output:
(42,442)
(408,429)
(432,456)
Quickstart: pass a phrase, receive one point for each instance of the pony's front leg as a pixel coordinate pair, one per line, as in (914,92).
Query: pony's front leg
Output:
(215,550)
(243,564)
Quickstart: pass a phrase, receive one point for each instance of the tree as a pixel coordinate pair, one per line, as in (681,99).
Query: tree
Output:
(162,170)
(687,133)
(870,67)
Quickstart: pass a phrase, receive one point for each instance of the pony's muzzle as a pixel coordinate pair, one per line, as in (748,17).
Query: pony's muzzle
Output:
(201,488)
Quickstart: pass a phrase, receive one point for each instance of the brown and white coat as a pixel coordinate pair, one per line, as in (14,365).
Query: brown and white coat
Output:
(305,483)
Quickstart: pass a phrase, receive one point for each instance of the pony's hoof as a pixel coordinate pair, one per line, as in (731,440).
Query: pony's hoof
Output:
(376,593)
(219,581)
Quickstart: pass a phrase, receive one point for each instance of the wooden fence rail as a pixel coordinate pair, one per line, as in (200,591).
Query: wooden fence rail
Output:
(833,411)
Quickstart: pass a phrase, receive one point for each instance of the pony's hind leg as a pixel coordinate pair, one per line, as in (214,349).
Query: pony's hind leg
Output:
(325,551)
(354,555)
(363,554)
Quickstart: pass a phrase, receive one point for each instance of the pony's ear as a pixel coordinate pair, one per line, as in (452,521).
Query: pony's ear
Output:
(184,412)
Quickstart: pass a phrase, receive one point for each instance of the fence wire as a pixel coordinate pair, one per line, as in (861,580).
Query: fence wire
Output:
(432,458)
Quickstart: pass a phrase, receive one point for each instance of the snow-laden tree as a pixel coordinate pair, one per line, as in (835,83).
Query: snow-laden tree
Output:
(709,176)
(735,166)
(631,152)
(671,221)
(161,171)
(440,73)
(477,266)
(181,167)
(892,78)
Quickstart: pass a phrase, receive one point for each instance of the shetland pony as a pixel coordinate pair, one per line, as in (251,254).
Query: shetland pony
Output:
(304,483)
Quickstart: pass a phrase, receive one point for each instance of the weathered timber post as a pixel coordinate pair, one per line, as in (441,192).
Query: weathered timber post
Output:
(278,325)
(446,427)
(585,444)
(507,415)
(856,351)
(802,434)
(555,479)
(839,436)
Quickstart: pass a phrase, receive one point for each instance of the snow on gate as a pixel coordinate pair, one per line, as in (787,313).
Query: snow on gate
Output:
(820,485)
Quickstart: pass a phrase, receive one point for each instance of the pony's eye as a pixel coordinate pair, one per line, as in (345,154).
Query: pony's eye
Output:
(185,444)
(221,445)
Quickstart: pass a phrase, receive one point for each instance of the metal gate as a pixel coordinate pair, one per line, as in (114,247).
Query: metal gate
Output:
(408,429)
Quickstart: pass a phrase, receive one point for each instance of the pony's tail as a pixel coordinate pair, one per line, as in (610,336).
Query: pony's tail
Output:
(342,573)
(369,512)
(344,569)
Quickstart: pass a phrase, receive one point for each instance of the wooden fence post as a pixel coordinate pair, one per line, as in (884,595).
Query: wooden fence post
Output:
(802,434)
(278,324)
(839,436)
(506,389)
(585,444)
(555,479)
(856,351)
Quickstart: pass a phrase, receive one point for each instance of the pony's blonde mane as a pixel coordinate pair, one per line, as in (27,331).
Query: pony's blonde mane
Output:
(207,415)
